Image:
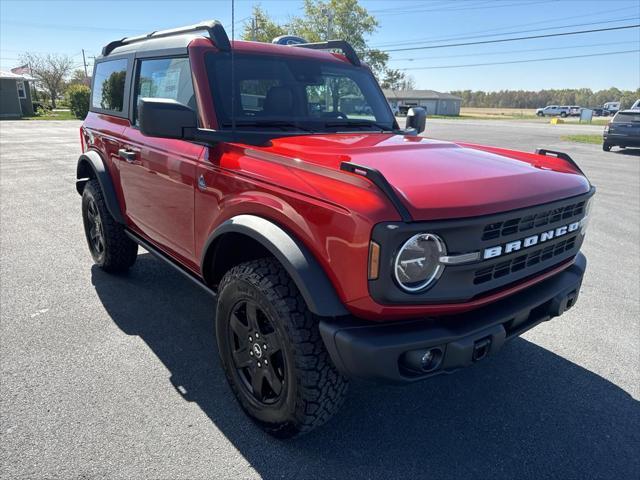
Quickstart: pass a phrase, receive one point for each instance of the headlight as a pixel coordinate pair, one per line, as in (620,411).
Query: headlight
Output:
(417,264)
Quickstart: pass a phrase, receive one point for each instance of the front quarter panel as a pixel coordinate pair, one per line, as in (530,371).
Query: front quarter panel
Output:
(337,235)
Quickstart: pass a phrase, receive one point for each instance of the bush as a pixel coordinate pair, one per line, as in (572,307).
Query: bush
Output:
(78,96)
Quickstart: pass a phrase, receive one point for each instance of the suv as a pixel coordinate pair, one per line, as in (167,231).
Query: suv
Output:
(339,246)
(553,111)
(622,131)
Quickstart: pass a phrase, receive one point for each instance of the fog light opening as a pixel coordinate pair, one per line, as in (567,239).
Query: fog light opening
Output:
(425,361)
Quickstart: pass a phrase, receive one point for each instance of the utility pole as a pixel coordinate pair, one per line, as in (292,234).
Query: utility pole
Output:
(329,13)
(84,62)
(254,28)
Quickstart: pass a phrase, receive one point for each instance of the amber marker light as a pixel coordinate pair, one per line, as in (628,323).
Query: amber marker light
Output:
(374,260)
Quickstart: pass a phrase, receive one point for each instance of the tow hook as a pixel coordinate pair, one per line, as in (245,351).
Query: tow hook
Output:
(481,349)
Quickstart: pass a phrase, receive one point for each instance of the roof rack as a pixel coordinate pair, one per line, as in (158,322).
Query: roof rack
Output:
(214,29)
(343,45)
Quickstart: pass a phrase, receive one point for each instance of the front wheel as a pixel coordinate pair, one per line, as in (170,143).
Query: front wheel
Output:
(606,147)
(272,352)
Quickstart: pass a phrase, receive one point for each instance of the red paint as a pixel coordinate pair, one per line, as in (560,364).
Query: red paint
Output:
(296,182)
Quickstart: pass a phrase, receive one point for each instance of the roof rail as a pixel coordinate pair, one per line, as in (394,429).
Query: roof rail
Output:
(343,45)
(214,29)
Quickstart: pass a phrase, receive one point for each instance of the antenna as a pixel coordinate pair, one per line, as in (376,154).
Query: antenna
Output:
(233,69)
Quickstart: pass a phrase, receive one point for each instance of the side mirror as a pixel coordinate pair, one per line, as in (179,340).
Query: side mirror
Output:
(166,118)
(417,119)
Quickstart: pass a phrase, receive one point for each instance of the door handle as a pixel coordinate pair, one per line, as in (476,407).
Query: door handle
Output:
(128,155)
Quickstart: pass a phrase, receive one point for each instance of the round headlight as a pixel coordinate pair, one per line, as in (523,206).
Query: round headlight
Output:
(417,264)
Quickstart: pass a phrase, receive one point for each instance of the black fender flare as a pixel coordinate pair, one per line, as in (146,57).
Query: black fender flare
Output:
(310,278)
(93,160)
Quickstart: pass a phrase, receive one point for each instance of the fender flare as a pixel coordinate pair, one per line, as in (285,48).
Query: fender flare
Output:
(93,160)
(310,278)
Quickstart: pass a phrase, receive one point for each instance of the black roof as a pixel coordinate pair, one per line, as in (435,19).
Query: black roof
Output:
(170,39)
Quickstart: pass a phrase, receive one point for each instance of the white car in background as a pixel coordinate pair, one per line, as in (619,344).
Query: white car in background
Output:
(553,111)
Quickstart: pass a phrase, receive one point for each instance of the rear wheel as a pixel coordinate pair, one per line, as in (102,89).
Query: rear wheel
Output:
(563,114)
(606,147)
(110,247)
(272,353)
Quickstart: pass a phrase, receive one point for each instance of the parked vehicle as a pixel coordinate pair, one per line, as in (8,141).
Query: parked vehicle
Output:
(611,107)
(622,131)
(600,112)
(338,247)
(553,111)
(575,110)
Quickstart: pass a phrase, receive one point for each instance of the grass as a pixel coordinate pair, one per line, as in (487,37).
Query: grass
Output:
(595,139)
(54,115)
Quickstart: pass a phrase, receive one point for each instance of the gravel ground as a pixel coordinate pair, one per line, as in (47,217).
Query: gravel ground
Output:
(118,377)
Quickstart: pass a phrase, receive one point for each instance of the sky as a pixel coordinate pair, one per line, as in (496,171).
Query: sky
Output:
(70,26)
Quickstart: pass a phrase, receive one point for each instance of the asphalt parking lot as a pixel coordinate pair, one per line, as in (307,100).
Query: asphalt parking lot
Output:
(118,377)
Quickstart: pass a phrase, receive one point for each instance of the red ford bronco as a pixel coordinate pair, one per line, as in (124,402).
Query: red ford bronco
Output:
(339,246)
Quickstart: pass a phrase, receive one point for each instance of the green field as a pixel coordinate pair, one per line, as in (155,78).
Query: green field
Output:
(595,139)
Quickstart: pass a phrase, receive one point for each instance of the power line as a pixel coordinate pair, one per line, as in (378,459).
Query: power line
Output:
(522,61)
(505,52)
(502,40)
(480,6)
(492,34)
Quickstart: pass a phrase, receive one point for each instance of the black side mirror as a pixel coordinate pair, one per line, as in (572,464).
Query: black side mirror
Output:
(166,118)
(417,119)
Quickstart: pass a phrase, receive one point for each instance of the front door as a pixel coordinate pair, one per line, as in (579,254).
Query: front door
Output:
(158,174)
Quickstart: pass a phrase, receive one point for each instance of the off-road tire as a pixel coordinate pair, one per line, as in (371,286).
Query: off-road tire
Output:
(606,147)
(312,389)
(119,252)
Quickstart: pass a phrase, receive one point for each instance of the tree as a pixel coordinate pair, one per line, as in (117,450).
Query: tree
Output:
(349,21)
(265,28)
(78,78)
(397,80)
(338,19)
(50,71)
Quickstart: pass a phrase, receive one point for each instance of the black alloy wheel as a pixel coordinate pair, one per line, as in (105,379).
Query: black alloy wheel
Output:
(94,229)
(257,353)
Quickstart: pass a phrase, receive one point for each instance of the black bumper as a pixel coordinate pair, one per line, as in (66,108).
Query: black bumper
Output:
(388,351)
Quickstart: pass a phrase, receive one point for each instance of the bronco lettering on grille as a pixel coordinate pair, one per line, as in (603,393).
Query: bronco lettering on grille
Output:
(542,237)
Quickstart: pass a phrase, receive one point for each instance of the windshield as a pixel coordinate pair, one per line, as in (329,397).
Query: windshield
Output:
(291,93)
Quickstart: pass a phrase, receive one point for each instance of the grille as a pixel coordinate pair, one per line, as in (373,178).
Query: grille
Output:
(523,261)
(528,222)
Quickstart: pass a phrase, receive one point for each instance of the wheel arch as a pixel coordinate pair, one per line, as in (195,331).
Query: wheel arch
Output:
(90,166)
(247,237)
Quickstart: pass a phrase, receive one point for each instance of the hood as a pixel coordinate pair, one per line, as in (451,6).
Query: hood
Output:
(437,179)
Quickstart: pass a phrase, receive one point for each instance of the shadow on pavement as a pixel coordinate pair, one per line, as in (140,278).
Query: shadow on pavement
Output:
(633,152)
(526,413)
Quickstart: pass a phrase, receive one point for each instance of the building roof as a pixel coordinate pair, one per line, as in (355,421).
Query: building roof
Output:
(419,95)
(4,74)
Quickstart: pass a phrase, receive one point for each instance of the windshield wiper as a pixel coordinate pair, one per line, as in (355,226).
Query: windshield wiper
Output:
(359,123)
(282,124)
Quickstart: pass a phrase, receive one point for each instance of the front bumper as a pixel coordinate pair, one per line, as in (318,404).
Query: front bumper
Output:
(386,351)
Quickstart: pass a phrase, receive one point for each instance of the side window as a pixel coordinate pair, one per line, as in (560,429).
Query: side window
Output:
(165,78)
(108,85)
